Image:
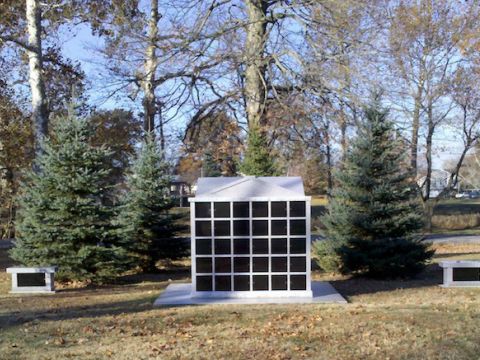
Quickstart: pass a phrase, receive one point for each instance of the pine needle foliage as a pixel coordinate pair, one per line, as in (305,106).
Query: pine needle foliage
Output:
(146,220)
(258,160)
(64,217)
(374,220)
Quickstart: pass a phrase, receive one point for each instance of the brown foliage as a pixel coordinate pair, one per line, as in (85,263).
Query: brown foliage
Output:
(216,135)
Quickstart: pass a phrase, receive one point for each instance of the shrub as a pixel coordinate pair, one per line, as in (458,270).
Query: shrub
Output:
(325,254)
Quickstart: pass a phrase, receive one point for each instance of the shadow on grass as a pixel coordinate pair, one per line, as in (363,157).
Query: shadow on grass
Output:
(5,260)
(126,283)
(16,318)
(431,276)
(153,283)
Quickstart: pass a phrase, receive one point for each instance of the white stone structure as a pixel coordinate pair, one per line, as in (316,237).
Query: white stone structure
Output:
(250,238)
(461,273)
(32,279)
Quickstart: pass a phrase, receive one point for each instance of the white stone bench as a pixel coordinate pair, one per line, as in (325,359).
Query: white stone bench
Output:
(32,279)
(460,273)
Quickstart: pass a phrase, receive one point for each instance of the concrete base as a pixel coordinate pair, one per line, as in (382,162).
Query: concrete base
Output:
(180,294)
(31,292)
(458,284)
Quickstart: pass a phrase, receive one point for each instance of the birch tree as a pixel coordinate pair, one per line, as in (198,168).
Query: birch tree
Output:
(32,45)
(29,25)
(35,63)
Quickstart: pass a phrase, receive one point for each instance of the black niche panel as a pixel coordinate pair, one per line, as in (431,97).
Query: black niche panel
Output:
(466,274)
(260,227)
(241,246)
(298,246)
(298,227)
(203,246)
(298,264)
(203,228)
(204,283)
(297,208)
(241,227)
(245,242)
(279,246)
(222,247)
(260,282)
(222,228)
(260,209)
(279,208)
(260,246)
(204,265)
(241,264)
(221,209)
(203,210)
(223,283)
(298,282)
(241,209)
(279,282)
(223,265)
(241,283)
(32,279)
(279,227)
(279,264)
(260,264)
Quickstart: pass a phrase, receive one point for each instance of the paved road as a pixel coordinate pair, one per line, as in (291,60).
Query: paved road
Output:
(6,244)
(453,239)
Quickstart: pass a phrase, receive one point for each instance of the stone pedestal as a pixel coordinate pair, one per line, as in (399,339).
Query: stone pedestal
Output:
(32,279)
(461,273)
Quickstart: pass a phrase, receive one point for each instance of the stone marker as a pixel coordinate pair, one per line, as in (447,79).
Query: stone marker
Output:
(32,279)
(461,273)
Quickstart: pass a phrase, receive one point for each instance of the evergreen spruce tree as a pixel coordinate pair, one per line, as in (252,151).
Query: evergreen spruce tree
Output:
(63,217)
(145,218)
(258,159)
(374,217)
(210,167)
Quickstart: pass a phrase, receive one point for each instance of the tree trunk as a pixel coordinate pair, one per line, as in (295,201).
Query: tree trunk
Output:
(428,206)
(161,133)
(343,139)
(35,63)
(149,103)
(255,86)
(328,155)
(431,129)
(415,129)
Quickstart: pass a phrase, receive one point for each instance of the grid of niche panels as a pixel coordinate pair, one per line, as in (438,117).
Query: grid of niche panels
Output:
(251,246)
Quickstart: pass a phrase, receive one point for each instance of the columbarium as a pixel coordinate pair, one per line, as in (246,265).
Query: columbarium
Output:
(250,237)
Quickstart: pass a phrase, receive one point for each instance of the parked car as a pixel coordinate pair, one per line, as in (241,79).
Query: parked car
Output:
(468,194)
(474,194)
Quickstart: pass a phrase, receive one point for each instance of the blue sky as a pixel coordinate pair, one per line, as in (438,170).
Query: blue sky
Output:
(79,46)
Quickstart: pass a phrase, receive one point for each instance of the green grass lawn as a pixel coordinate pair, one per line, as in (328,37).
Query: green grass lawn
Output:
(384,320)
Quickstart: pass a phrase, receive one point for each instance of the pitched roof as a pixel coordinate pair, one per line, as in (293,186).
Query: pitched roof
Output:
(284,187)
